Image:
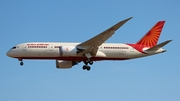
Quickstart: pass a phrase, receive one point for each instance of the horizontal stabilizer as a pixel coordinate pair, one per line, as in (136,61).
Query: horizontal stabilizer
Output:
(159,46)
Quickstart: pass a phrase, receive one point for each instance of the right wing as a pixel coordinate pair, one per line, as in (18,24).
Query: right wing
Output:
(91,45)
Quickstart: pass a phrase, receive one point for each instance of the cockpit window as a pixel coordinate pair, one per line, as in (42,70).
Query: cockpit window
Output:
(13,47)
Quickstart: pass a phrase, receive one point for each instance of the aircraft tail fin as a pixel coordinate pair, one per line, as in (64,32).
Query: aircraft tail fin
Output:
(151,37)
(158,46)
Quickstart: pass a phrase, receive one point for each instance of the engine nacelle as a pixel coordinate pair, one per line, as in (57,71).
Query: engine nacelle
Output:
(68,50)
(64,64)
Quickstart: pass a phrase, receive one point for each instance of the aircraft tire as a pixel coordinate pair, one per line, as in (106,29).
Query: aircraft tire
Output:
(21,63)
(84,67)
(88,68)
(90,62)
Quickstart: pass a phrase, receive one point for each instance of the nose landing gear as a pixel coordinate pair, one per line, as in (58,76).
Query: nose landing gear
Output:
(21,63)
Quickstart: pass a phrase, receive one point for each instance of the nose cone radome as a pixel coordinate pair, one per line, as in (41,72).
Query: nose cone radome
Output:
(9,53)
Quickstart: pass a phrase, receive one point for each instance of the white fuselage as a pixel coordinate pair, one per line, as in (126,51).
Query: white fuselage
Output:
(51,50)
(94,49)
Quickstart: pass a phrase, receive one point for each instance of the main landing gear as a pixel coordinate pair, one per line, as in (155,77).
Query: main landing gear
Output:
(21,63)
(86,67)
(88,61)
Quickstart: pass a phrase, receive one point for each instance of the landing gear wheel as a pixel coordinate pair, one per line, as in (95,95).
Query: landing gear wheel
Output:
(21,63)
(86,62)
(88,68)
(90,62)
(84,67)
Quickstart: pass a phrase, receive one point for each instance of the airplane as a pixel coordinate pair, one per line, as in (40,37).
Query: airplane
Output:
(69,54)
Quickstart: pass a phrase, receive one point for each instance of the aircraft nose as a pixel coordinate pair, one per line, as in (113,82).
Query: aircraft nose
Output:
(9,53)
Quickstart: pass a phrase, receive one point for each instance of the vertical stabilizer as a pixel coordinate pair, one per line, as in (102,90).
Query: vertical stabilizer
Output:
(151,38)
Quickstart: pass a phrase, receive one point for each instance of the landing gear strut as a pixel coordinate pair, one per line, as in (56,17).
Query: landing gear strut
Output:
(21,63)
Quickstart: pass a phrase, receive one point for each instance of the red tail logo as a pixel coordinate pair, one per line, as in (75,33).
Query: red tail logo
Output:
(151,38)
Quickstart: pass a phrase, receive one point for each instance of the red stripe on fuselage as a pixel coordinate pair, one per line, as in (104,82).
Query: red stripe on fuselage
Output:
(138,47)
(72,58)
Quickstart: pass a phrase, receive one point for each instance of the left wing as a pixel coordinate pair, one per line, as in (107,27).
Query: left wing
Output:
(158,46)
(91,45)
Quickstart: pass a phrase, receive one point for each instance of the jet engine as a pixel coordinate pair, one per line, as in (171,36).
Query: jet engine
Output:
(64,64)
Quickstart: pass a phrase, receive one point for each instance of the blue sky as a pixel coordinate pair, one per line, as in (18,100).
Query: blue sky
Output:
(146,79)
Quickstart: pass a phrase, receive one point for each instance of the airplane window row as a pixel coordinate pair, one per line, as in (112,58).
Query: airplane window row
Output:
(116,48)
(37,46)
(56,46)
